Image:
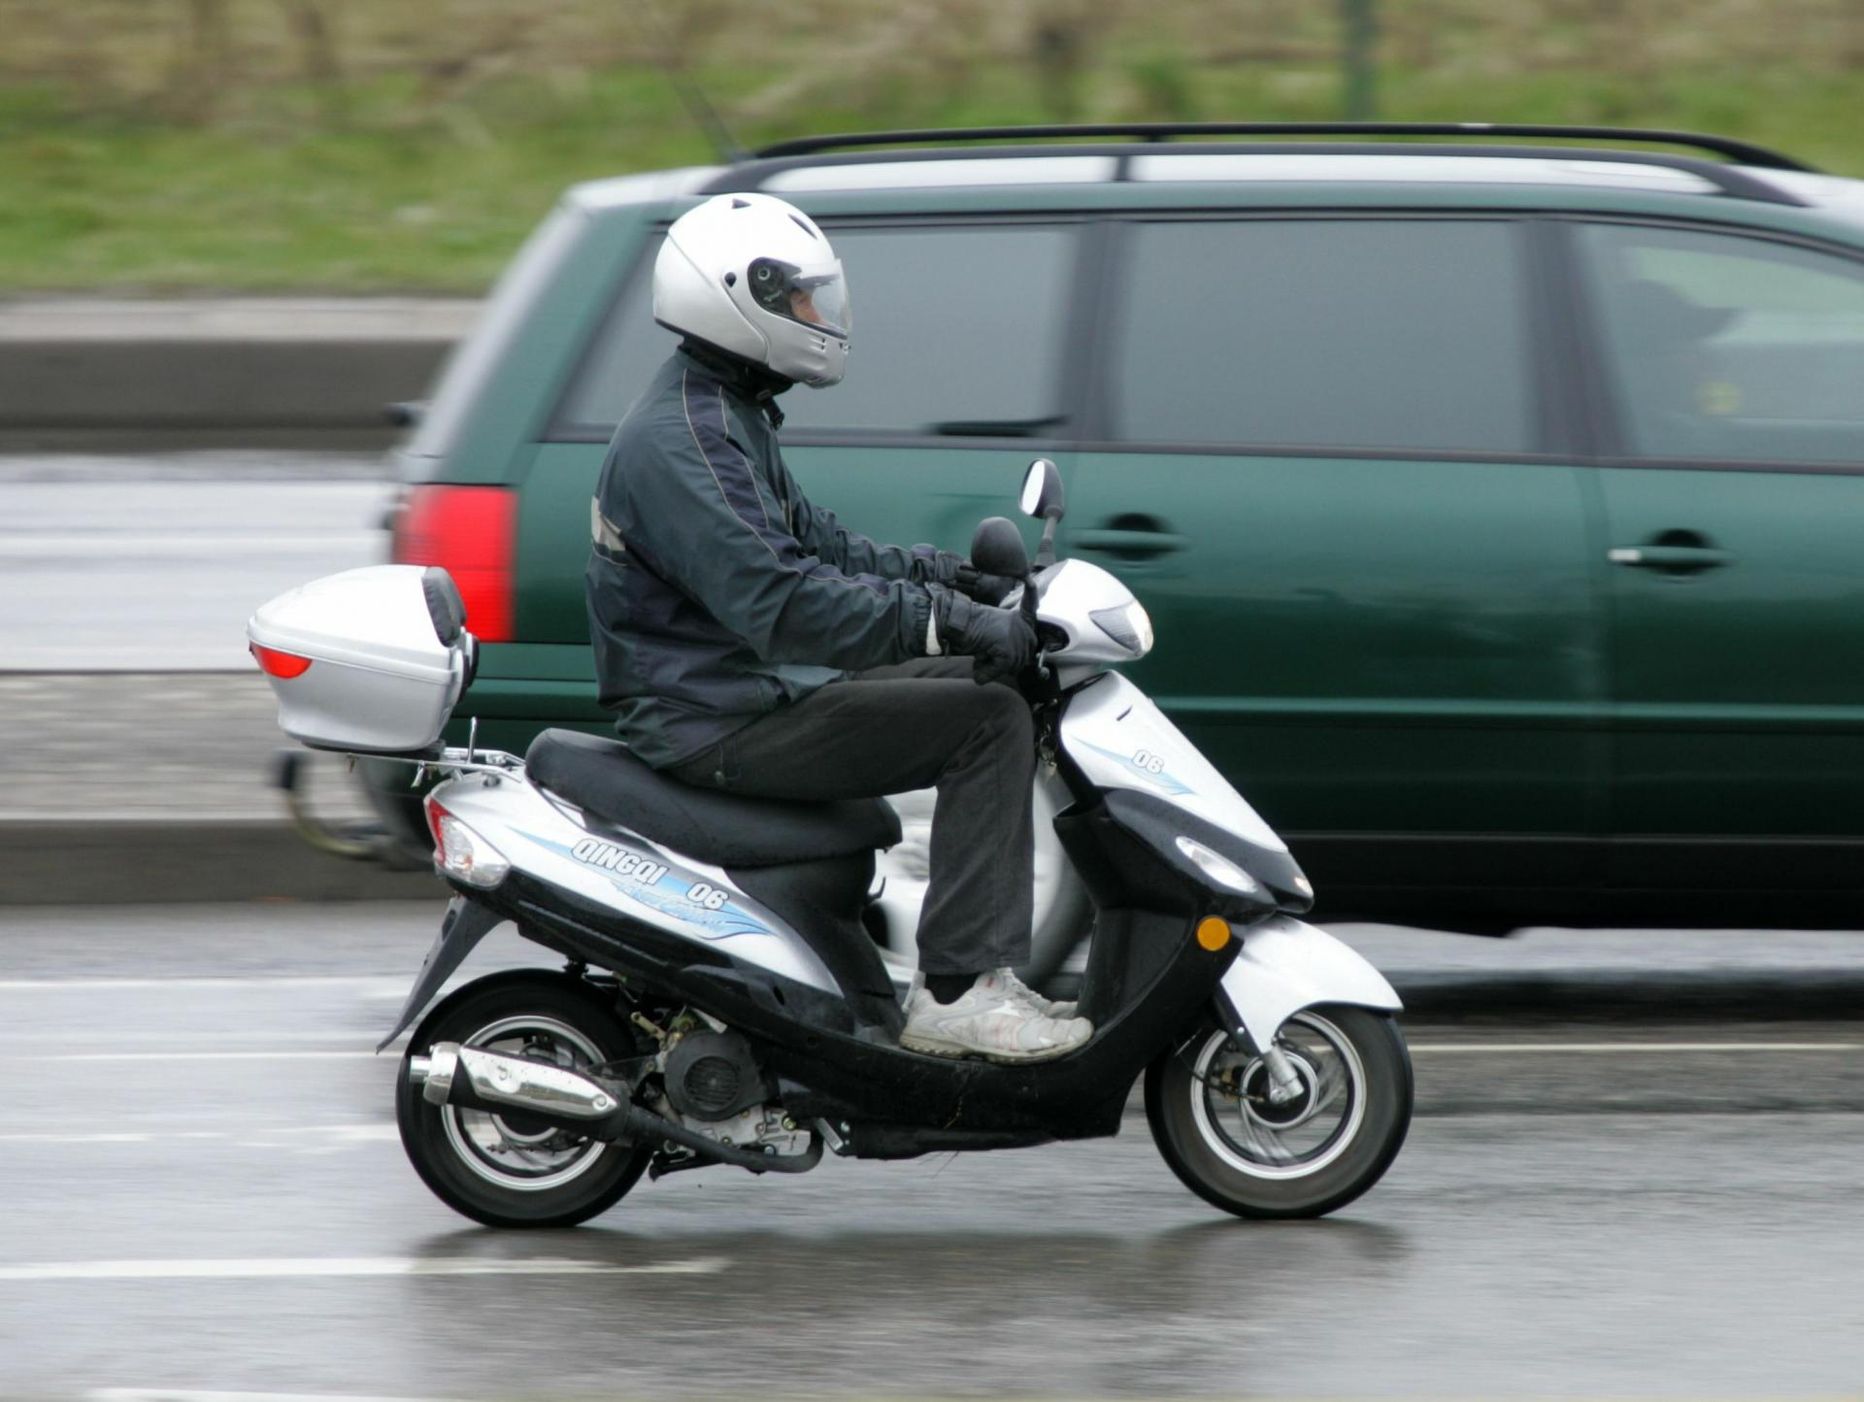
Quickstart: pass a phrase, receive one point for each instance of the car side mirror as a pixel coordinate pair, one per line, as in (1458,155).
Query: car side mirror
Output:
(1042,493)
(997,548)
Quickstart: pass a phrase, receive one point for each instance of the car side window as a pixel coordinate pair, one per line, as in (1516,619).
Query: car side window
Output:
(1723,347)
(958,330)
(1353,334)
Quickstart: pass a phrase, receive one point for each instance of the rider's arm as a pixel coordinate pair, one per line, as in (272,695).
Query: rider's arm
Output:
(819,532)
(699,518)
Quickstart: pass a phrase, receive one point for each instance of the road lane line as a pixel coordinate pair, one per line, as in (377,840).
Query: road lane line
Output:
(207,981)
(44,1137)
(153,1056)
(322,1267)
(1623,1048)
(174,1394)
(246,1136)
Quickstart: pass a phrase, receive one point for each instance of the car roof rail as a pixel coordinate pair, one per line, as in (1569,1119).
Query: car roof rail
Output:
(1739,152)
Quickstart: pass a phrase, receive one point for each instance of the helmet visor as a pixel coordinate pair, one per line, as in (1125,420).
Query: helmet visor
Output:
(815,296)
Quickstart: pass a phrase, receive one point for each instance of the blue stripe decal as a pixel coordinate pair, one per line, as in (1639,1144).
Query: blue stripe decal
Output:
(1165,781)
(668,896)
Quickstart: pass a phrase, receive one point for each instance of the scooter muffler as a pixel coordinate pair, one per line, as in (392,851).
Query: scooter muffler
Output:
(451,1074)
(483,1080)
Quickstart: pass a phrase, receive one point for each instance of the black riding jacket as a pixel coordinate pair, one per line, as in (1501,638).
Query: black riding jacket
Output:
(717,592)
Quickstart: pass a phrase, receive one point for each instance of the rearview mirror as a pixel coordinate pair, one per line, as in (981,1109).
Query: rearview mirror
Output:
(997,548)
(1042,494)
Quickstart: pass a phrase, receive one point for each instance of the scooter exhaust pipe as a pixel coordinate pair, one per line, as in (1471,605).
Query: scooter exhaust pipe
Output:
(451,1074)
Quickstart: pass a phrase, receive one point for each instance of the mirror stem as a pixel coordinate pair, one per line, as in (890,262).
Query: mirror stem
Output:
(1045,551)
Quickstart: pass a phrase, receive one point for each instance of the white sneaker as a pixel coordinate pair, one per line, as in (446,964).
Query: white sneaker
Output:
(1048,1008)
(989,1019)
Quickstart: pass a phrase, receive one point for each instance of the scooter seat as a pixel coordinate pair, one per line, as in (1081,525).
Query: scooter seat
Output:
(603,778)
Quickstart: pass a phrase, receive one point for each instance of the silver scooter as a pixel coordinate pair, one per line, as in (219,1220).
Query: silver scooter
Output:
(721,1000)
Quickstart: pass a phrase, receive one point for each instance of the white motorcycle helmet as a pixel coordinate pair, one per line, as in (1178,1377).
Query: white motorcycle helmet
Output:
(754,276)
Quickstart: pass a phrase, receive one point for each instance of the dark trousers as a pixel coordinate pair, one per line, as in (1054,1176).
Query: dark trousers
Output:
(919,724)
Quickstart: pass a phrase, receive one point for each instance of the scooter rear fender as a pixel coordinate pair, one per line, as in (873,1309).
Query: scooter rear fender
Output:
(465,925)
(1286,965)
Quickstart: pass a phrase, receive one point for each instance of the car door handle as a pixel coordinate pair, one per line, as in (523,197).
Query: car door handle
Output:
(1129,544)
(1670,559)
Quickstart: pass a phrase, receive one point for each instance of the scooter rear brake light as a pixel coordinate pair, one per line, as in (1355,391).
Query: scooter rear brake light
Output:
(434,813)
(461,852)
(279,664)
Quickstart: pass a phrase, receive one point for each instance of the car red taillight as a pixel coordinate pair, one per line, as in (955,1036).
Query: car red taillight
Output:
(471,533)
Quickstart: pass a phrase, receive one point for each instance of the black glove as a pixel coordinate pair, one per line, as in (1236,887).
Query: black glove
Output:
(985,588)
(1001,640)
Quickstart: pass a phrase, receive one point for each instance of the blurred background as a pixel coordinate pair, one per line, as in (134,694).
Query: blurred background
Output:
(178,145)
(232,231)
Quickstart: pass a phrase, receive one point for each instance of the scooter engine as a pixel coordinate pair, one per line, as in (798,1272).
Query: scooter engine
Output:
(712,1076)
(714,1085)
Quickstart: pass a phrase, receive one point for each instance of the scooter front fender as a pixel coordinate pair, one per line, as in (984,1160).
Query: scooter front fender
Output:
(1286,965)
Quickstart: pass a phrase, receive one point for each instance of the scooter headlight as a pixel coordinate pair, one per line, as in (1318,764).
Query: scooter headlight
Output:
(1219,869)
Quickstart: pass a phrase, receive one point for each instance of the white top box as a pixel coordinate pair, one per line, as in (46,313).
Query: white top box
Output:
(371,660)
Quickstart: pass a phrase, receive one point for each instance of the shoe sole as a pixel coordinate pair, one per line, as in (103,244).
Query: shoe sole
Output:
(956,1051)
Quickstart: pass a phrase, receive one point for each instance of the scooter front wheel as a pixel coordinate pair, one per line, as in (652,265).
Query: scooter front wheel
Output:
(512,1170)
(1209,1102)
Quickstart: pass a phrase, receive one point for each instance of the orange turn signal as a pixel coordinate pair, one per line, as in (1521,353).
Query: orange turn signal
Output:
(1213,933)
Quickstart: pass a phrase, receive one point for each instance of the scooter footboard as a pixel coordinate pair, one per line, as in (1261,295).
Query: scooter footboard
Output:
(1286,965)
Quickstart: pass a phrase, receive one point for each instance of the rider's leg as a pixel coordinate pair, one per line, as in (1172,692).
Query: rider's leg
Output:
(917,725)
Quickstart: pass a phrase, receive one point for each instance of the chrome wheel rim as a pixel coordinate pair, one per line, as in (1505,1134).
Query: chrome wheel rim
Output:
(1237,1122)
(514,1151)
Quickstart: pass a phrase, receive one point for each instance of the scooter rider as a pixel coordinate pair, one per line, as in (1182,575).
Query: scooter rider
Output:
(747,641)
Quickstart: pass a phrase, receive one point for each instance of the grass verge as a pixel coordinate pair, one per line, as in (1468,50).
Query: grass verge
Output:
(435,201)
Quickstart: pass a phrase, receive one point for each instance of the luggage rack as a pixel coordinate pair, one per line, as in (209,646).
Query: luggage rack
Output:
(455,759)
(1726,174)
(1740,152)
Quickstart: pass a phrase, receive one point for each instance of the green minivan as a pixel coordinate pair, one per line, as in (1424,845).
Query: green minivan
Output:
(1499,501)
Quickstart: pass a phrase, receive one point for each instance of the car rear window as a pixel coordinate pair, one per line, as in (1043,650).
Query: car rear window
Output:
(1354,334)
(957,331)
(1723,347)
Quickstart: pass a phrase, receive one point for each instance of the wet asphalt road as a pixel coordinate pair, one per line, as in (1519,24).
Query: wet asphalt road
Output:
(203,1192)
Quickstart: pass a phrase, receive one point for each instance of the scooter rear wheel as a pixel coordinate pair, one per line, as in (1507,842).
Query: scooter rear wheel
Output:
(1208,1103)
(512,1170)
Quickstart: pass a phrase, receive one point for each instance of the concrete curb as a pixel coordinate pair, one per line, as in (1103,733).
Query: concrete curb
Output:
(279,370)
(1619,995)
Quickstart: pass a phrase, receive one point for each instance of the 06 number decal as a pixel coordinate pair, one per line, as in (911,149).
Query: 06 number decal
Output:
(1149,762)
(708,896)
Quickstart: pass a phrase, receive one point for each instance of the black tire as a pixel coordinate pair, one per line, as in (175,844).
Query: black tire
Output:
(1356,1074)
(497,1169)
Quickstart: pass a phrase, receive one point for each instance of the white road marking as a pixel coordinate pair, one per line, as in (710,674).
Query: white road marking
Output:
(377,982)
(247,1136)
(152,1056)
(155,1055)
(320,1267)
(1623,1048)
(49,1138)
(170,1394)
(158,1041)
